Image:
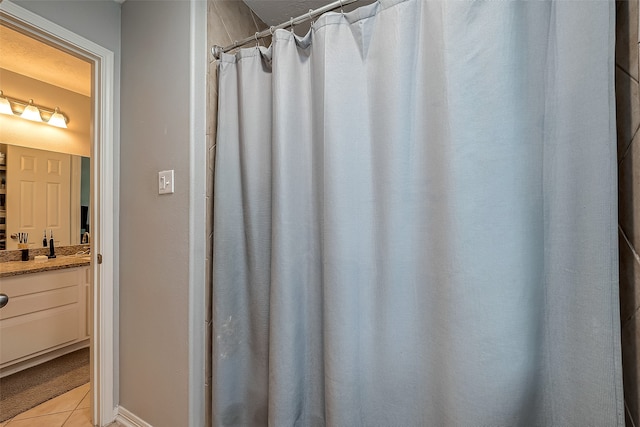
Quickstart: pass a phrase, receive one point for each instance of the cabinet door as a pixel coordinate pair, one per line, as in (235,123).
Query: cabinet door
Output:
(38,192)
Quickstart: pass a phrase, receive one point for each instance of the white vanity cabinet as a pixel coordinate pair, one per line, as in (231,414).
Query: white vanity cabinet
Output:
(47,311)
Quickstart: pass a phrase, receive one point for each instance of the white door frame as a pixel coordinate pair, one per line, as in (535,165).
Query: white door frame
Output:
(103,197)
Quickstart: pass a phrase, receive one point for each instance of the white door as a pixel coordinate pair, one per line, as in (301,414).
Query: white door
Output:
(38,191)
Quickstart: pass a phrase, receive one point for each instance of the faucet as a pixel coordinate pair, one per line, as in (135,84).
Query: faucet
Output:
(85,237)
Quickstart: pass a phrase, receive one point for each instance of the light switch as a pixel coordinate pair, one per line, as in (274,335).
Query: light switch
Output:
(165,182)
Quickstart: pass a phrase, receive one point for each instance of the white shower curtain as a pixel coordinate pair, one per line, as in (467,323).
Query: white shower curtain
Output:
(415,220)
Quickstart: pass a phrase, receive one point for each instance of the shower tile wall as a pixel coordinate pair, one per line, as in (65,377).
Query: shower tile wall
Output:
(628,122)
(227,20)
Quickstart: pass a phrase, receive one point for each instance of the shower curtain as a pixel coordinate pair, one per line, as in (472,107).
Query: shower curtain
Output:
(415,220)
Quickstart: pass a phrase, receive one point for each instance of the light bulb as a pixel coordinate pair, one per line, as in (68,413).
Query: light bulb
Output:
(5,105)
(31,112)
(58,119)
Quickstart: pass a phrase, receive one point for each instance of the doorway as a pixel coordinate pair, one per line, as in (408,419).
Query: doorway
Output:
(103,144)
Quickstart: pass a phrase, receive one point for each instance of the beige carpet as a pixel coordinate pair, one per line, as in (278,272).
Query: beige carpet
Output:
(26,389)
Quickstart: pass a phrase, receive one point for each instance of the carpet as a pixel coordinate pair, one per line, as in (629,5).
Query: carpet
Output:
(26,389)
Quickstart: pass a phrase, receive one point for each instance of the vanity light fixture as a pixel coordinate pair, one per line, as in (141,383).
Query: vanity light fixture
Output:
(28,110)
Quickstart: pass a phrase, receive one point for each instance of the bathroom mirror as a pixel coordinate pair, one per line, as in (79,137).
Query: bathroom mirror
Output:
(44,190)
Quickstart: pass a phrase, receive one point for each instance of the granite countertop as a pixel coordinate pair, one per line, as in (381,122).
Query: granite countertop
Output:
(15,268)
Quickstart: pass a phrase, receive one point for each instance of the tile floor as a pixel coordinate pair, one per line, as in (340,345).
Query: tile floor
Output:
(72,409)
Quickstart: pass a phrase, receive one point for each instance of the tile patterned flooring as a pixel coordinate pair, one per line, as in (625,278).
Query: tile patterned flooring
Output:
(72,409)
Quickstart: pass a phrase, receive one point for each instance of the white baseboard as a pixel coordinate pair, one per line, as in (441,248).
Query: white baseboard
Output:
(42,357)
(129,419)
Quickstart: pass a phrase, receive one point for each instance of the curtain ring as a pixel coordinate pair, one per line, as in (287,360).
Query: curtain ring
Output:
(271,30)
(310,11)
(341,9)
(291,24)
(255,36)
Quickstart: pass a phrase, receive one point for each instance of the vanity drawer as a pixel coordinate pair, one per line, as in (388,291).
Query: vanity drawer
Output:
(31,303)
(25,335)
(26,284)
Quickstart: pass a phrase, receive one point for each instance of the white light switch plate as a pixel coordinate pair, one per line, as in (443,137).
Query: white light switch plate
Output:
(165,182)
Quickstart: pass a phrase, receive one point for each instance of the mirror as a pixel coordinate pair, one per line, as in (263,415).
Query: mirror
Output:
(43,190)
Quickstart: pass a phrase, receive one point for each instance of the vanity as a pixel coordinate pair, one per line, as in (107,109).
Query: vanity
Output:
(49,310)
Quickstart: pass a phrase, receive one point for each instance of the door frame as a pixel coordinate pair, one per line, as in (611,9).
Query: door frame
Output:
(104,197)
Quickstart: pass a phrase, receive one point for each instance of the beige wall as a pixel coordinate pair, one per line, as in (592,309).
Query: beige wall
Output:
(76,139)
(154,229)
(227,20)
(628,122)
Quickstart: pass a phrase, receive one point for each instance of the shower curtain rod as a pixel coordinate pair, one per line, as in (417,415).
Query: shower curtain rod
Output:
(218,50)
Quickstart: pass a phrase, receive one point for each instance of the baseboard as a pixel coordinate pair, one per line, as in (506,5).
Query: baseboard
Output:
(31,361)
(129,419)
